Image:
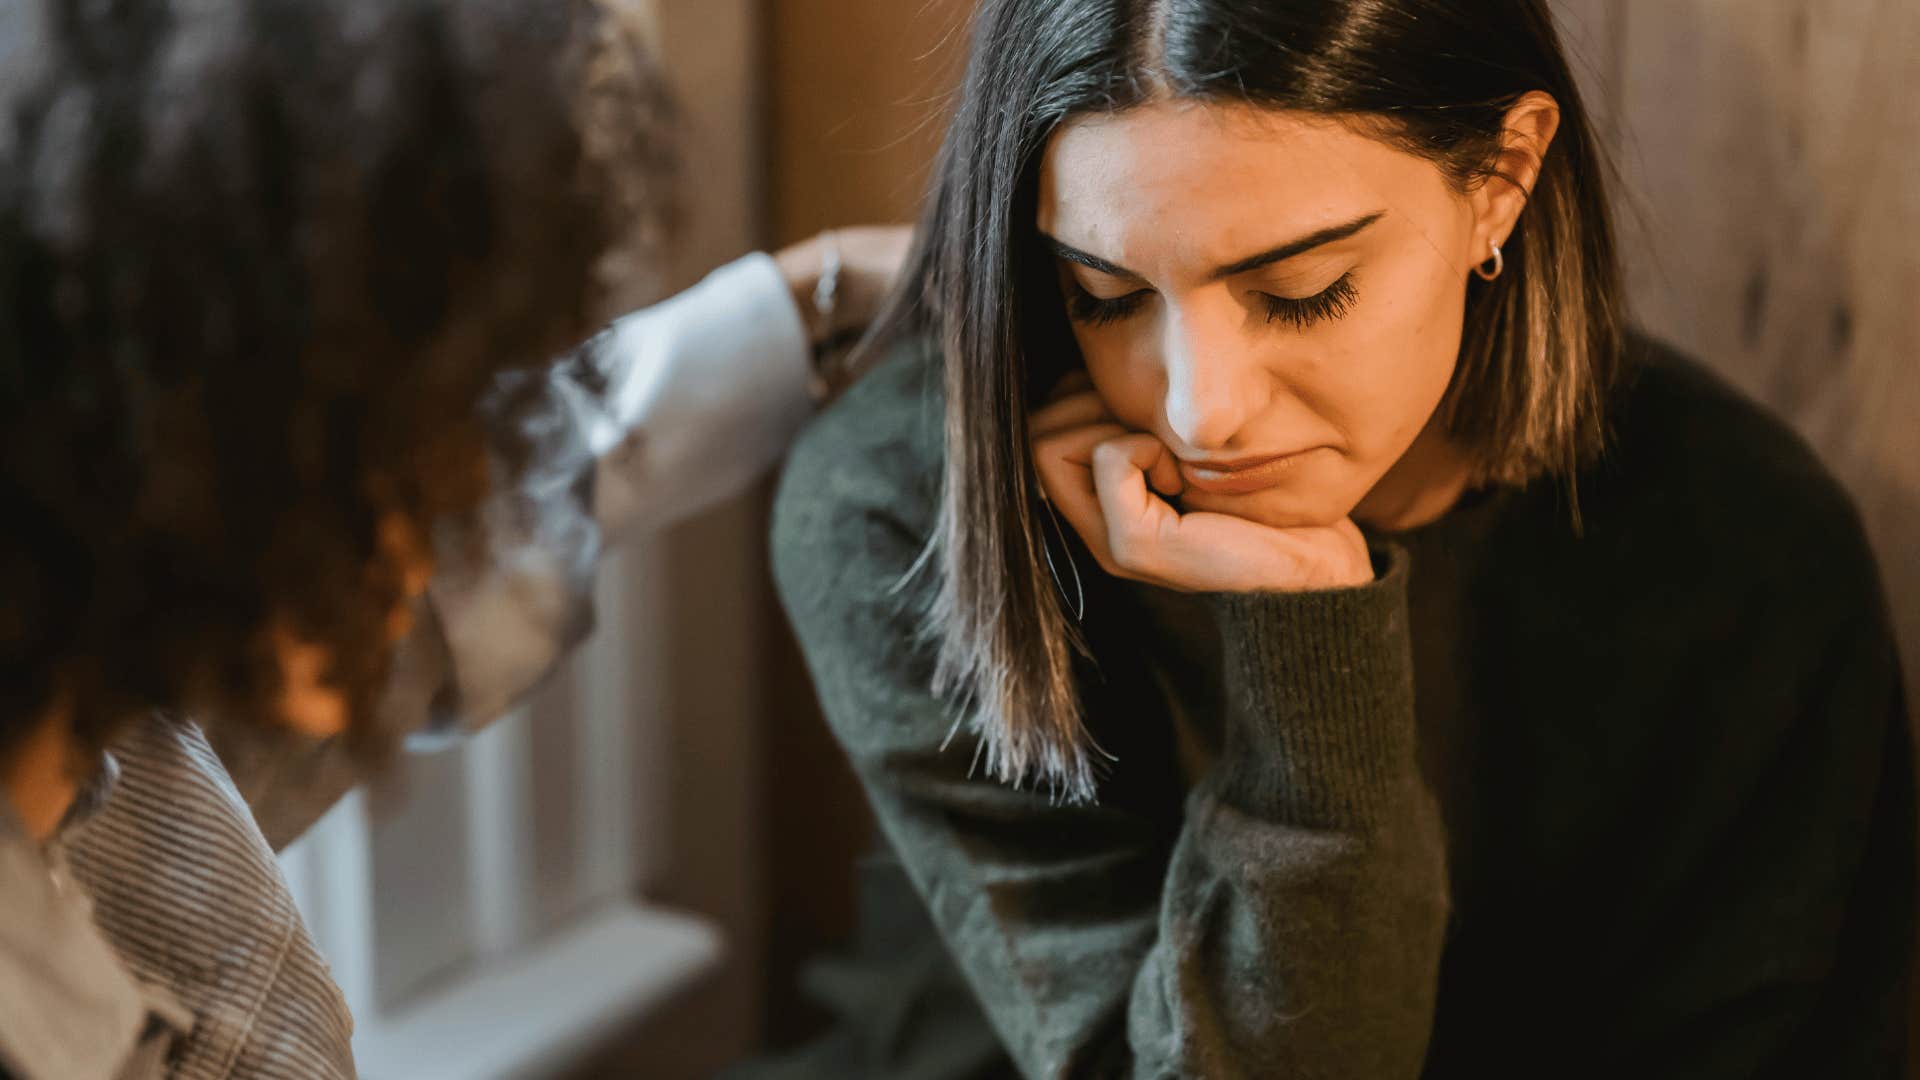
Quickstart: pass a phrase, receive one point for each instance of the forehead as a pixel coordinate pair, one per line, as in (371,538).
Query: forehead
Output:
(1213,173)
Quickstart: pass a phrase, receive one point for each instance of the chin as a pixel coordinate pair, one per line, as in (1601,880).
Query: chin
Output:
(1280,507)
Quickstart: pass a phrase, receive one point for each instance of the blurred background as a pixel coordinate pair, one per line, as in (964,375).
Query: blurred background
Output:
(625,879)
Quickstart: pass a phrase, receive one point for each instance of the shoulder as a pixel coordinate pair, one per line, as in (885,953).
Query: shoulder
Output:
(1717,543)
(1678,415)
(1722,476)
(860,490)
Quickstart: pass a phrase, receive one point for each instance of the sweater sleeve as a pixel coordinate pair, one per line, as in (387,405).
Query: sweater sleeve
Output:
(1287,922)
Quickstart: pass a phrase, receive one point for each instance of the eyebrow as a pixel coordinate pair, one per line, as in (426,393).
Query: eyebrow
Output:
(1285,251)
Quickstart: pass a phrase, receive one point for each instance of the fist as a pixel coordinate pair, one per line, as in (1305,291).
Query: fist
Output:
(1119,489)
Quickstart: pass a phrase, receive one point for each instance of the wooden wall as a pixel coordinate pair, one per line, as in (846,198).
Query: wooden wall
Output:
(857,107)
(856,95)
(1771,214)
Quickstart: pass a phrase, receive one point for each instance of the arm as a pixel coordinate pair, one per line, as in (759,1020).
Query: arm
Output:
(1288,923)
(664,413)
(682,404)
(669,410)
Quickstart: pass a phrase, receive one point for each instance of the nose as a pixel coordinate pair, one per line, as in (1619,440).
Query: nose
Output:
(1215,382)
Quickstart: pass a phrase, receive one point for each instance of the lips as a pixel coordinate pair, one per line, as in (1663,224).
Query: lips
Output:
(1242,476)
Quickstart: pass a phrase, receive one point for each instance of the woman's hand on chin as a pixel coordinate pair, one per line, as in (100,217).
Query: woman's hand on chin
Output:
(1113,484)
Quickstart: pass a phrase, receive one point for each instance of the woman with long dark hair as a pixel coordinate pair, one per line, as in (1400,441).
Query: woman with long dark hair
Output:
(1321,639)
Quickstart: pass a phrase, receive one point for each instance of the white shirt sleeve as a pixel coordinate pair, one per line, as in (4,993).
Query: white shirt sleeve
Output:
(669,410)
(703,393)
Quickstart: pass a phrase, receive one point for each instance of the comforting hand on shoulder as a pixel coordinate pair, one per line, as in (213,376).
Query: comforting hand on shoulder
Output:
(1116,487)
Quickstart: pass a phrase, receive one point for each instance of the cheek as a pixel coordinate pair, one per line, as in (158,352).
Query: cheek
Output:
(1399,358)
(1125,370)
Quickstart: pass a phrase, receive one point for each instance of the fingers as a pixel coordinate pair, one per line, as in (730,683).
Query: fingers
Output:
(1064,462)
(1138,522)
(1107,481)
(876,249)
(868,260)
(1096,476)
(1074,410)
(871,258)
(1164,474)
(1073,382)
(1071,401)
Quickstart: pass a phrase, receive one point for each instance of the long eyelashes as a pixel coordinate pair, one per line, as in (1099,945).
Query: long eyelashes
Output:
(1331,302)
(1093,310)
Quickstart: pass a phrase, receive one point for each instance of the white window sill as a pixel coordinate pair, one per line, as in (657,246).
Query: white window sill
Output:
(532,1012)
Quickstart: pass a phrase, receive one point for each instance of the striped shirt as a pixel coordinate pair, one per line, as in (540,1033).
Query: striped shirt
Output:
(188,893)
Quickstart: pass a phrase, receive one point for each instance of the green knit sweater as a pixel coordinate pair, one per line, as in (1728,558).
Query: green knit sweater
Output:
(1634,801)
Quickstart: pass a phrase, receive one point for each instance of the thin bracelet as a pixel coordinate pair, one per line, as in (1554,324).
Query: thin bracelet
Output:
(826,291)
(826,298)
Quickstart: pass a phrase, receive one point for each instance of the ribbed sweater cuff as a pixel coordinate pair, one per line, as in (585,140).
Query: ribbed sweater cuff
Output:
(1320,728)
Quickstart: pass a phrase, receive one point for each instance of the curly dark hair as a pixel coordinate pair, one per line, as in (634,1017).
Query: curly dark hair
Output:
(260,260)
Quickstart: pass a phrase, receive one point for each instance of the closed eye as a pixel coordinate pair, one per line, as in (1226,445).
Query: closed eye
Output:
(1301,312)
(1084,307)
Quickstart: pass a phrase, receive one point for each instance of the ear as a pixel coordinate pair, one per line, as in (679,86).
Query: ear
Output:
(1531,123)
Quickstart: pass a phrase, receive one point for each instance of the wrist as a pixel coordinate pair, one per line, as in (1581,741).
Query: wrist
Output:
(1312,559)
(800,265)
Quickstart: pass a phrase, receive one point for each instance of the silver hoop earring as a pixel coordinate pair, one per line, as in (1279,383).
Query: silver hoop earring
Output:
(1499,262)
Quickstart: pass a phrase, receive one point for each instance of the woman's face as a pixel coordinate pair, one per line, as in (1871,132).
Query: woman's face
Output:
(1268,292)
